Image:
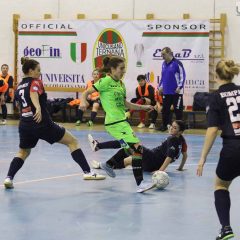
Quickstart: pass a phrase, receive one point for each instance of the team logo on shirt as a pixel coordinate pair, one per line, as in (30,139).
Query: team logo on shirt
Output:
(78,52)
(109,43)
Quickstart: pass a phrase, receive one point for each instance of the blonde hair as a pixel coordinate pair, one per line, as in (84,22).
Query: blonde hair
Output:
(227,69)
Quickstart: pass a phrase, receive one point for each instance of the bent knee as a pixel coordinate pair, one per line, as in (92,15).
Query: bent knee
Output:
(23,153)
(73,144)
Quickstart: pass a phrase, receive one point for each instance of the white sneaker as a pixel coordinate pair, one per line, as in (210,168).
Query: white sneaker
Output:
(8,183)
(3,122)
(141,125)
(95,164)
(152,126)
(145,186)
(93,143)
(93,176)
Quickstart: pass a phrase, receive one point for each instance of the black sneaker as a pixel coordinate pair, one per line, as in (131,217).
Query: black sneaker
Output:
(225,233)
(162,128)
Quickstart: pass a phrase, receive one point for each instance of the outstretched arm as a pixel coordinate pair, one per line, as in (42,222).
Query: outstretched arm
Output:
(211,135)
(138,107)
(83,103)
(184,159)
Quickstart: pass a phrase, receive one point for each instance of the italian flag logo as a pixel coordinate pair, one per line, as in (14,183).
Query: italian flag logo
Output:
(78,52)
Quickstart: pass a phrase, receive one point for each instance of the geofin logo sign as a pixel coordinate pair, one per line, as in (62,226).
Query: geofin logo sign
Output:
(109,43)
(78,52)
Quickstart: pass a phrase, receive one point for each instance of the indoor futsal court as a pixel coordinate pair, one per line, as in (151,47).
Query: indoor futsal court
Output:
(51,200)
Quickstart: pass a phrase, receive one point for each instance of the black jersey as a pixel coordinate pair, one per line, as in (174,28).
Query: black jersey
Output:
(172,147)
(223,110)
(27,109)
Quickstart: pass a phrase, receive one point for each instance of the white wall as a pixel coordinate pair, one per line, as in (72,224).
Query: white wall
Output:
(127,9)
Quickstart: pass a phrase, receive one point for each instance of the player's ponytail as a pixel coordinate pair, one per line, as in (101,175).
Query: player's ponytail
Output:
(28,64)
(227,69)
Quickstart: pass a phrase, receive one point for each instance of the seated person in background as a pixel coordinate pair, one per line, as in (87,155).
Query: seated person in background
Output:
(8,95)
(93,101)
(3,97)
(154,159)
(9,80)
(145,95)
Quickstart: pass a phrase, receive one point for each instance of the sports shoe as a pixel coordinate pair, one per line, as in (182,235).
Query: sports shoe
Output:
(141,125)
(8,183)
(78,123)
(162,128)
(95,164)
(3,122)
(90,123)
(225,233)
(145,186)
(152,126)
(93,176)
(108,169)
(93,143)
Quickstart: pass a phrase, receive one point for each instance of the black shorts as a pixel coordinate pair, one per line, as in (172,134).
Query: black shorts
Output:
(29,135)
(150,162)
(95,101)
(228,166)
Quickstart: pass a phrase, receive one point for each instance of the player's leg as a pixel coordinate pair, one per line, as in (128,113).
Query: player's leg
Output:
(15,166)
(223,204)
(94,111)
(78,156)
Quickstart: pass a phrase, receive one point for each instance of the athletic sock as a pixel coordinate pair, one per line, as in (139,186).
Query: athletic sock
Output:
(80,159)
(109,145)
(117,161)
(223,204)
(15,165)
(137,168)
(93,116)
(80,115)
(4,111)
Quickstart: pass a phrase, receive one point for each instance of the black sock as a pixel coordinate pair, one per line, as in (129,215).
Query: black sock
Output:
(80,159)
(80,115)
(4,111)
(117,161)
(109,145)
(15,165)
(93,116)
(137,168)
(223,204)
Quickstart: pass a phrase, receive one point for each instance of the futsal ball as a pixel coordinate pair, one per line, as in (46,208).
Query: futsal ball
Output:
(160,179)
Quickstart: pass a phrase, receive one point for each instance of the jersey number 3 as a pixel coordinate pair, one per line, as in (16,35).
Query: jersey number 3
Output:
(232,104)
(21,93)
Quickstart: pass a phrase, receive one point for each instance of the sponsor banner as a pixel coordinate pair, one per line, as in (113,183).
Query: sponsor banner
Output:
(68,51)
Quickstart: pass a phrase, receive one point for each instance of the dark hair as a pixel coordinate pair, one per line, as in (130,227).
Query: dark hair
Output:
(181,124)
(4,65)
(110,62)
(141,77)
(28,64)
(226,69)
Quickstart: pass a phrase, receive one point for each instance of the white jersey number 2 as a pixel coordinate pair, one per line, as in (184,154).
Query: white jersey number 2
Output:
(232,104)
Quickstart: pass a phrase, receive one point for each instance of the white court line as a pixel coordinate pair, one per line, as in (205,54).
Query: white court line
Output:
(78,174)
(45,179)
(192,164)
